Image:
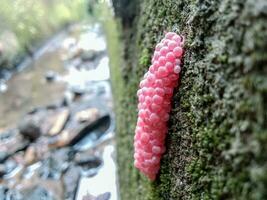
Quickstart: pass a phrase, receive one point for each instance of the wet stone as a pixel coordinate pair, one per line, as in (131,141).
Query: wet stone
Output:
(45,188)
(91,131)
(88,197)
(11,145)
(93,135)
(39,119)
(10,165)
(86,115)
(105,196)
(14,195)
(50,76)
(71,180)
(56,163)
(60,119)
(88,162)
(3,191)
(29,129)
(33,111)
(30,155)
(77,91)
(89,55)
(90,166)
(67,99)
(3,156)
(74,131)
(2,170)
(53,168)
(62,155)
(52,106)
(37,193)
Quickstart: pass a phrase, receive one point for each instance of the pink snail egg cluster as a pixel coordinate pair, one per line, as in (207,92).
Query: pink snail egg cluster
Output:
(154,96)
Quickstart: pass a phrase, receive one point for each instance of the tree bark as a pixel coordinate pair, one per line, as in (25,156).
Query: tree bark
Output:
(217,137)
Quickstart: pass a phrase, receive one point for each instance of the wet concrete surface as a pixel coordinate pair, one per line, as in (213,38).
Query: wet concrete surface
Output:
(57,130)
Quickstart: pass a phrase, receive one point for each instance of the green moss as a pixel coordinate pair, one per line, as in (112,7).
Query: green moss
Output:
(216,144)
(145,58)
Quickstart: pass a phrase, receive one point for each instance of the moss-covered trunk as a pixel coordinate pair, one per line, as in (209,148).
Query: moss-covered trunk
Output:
(217,138)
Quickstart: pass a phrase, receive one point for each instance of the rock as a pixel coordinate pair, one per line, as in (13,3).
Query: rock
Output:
(14,176)
(2,170)
(75,52)
(74,131)
(33,111)
(71,180)
(68,98)
(88,197)
(3,156)
(3,191)
(93,136)
(51,169)
(62,155)
(39,119)
(52,106)
(90,165)
(65,102)
(11,145)
(37,193)
(88,162)
(32,171)
(61,140)
(29,129)
(84,193)
(13,194)
(105,196)
(86,115)
(6,134)
(59,122)
(50,76)
(11,164)
(55,164)
(39,122)
(88,55)
(30,155)
(47,122)
(96,128)
(76,62)
(37,151)
(77,91)
(31,188)
(91,168)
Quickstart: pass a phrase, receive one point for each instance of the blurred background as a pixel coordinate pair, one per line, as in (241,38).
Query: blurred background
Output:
(57,121)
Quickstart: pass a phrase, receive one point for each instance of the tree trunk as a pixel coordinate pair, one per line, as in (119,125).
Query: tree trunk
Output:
(217,137)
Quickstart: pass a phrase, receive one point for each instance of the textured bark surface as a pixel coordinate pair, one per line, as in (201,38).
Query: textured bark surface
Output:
(217,138)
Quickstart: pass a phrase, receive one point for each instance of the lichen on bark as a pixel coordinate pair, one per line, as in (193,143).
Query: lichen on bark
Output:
(216,144)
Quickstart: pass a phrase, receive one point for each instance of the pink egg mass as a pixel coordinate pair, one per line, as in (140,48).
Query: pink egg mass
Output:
(154,97)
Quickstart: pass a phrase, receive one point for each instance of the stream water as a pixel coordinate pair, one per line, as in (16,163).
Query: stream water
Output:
(69,74)
(27,87)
